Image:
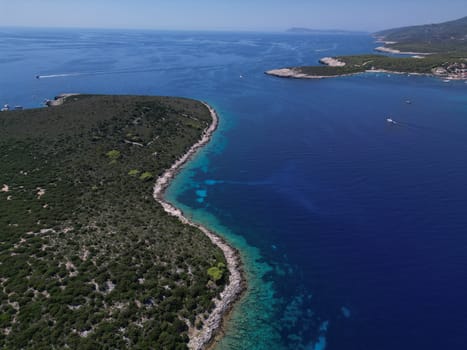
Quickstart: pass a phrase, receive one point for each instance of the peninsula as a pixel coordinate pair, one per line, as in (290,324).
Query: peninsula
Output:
(438,50)
(89,259)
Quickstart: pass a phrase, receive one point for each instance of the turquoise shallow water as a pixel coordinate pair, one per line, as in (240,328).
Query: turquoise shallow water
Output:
(261,316)
(352,230)
(245,327)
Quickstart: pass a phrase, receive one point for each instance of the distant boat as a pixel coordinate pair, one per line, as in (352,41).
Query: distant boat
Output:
(446,81)
(408,102)
(5,108)
(391,121)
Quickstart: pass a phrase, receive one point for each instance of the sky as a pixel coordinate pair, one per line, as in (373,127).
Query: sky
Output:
(248,15)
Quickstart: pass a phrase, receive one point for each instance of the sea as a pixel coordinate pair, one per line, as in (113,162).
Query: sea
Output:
(352,230)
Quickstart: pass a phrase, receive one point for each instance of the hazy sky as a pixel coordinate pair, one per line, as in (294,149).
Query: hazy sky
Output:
(367,15)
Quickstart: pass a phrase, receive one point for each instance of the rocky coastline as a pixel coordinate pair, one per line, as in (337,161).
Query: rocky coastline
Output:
(213,325)
(385,49)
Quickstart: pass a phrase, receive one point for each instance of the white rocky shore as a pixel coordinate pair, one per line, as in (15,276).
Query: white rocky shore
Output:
(332,62)
(385,49)
(201,339)
(59,100)
(296,74)
(292,73)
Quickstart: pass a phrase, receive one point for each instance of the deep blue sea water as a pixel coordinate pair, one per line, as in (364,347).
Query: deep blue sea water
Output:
(353,230)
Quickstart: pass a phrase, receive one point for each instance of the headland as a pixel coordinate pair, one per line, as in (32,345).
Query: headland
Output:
(83,240)
(437,50)
(450,67)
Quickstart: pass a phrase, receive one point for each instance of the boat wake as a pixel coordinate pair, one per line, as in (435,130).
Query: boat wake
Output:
(59,75)
(127,71)
(334,46)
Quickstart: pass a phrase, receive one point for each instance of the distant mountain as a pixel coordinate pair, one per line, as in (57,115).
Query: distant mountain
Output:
(447,36)
(300,30)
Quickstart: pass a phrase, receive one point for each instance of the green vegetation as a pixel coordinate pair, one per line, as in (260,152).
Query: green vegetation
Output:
(442,38)
(327,71)
(88,259)
(134,172)
(216,273)
(113,155)
(146,176)
(452,64)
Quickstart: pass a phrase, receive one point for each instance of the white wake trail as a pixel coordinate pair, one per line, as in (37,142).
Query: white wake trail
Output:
(58,75)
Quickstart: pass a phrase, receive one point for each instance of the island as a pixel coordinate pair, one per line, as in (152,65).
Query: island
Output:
(438,50)
(92,255)
(301,30)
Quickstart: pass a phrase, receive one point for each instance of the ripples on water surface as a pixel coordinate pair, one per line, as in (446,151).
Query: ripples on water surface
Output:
(353,230)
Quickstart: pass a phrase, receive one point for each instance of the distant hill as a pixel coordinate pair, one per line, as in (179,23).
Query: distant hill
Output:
(441,37)
(301,30)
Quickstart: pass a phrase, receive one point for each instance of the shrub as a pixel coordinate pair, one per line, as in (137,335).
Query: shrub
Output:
(215,273)
(113,154)
(146,176)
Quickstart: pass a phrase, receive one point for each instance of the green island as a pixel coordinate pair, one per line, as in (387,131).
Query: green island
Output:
(89,260)
(438,50)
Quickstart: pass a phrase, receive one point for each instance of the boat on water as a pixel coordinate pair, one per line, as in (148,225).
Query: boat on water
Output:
(408,102)
(7,108)
(391,121)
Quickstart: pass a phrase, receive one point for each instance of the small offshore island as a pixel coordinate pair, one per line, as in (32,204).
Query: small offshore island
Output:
(89,258)
(437,50)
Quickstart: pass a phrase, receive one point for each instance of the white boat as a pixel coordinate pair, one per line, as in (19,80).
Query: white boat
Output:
(391,121)
(5,108)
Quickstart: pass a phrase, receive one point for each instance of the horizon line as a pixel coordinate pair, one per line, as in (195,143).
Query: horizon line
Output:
(231,30)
